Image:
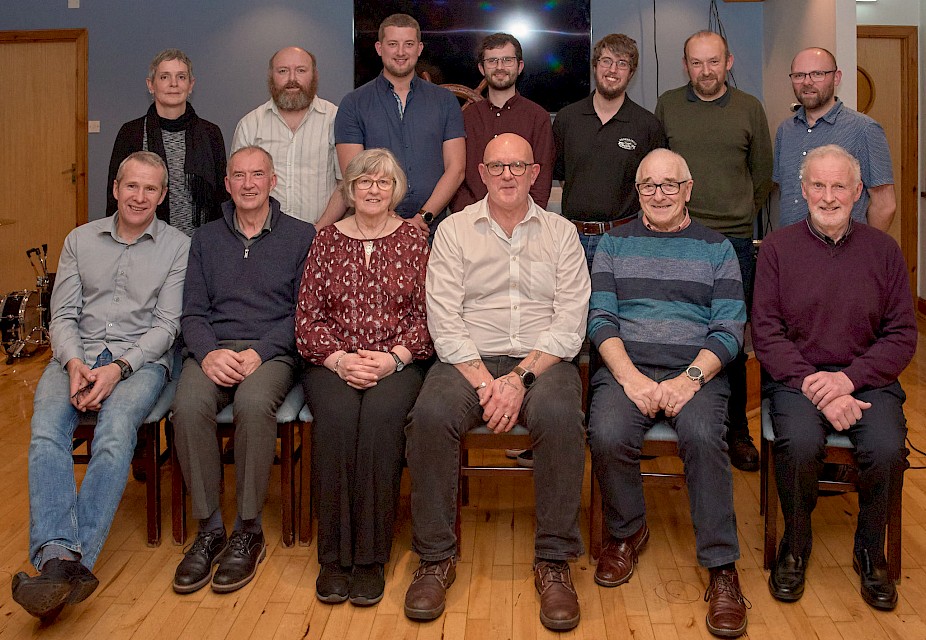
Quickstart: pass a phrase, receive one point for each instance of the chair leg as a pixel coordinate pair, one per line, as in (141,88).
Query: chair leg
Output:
(894,524)
(305,483)
(177,498)
(286,482)
(595,520)
(770,495)
(763,474)
(153,482)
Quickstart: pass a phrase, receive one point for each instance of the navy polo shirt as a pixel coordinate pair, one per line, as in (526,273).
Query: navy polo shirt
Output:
(370,116)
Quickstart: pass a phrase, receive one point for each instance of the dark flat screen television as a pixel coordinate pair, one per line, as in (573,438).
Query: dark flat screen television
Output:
(554,34)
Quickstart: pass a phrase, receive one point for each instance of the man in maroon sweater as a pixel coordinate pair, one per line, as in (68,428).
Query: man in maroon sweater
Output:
(833,326)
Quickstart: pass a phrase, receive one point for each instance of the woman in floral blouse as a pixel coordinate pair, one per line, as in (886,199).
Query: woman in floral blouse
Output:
(360,324)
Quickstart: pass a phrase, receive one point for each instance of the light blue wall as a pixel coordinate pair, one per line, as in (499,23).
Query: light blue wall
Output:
(230,42)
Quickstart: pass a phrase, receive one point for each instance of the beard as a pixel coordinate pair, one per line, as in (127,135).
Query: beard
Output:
(709,86)
(286,101)
(814,100)
(501,84)
(609,93)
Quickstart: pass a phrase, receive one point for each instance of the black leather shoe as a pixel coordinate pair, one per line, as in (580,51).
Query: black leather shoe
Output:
(60,582)
(878,589)
(238,563)
(743,453)
(786,582)
(367,585)
(195,570)
(333,583)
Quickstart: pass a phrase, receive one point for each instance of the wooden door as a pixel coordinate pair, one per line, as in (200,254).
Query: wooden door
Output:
(887,91)
(43,146)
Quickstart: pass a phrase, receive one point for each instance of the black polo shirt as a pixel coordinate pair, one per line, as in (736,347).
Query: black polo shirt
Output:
(599,161)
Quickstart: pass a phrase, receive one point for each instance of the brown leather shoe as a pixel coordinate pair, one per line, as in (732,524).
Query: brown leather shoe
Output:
(559,604)
(427,594)
(619,556)
(726,613)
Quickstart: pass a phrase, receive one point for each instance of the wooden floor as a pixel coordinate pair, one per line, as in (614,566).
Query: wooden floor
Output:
(494,595)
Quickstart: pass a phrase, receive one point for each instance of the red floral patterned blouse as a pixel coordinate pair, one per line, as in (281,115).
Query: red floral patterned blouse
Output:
(343,304)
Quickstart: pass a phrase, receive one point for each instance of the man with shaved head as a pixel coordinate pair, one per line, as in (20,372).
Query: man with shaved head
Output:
(297,128)
(667,316)
(823,119)
(507,293)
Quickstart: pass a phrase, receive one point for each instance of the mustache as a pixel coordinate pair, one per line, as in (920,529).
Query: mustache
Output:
(292,84)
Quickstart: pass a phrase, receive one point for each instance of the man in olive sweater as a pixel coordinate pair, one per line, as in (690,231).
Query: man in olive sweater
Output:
(722,133)
(238,323)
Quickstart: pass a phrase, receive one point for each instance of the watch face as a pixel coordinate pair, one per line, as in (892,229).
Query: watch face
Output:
(528,378)
(695,372)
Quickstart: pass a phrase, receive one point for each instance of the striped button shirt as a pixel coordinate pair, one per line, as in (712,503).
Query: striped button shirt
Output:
(304,160)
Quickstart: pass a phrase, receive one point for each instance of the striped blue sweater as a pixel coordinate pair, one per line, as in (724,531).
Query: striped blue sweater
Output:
(667,295)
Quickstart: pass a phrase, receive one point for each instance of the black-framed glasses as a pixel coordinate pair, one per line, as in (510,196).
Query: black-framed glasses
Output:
(517,168)
(506,61)
(383,183)
(668,188)
(816,76)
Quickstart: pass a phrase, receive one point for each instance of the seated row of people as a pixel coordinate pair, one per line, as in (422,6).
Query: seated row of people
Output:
(504,295)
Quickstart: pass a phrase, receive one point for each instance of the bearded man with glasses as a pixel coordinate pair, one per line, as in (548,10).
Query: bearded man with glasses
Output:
(667,316)
(823,119)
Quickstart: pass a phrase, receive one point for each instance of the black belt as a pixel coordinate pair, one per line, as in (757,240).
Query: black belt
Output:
(600,228)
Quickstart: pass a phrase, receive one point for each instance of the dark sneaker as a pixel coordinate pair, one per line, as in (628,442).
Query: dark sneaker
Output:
(195,570)
(333,583)
(238,563)
(60,582)
(427,594)
(367,584)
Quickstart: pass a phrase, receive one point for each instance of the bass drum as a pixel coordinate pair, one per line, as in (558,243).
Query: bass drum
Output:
(21,321)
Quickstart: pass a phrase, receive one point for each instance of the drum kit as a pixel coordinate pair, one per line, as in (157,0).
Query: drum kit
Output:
(25,314)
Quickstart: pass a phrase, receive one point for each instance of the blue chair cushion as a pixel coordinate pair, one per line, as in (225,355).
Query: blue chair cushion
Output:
(833,439)
(305,414)
(288,411)
(661,432)
(516,430)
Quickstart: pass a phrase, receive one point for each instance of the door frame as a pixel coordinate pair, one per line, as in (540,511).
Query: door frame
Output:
(909,139)
(80,38)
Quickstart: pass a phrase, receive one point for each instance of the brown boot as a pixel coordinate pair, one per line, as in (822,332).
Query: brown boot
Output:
(427,594)
(618,558)
(559,604)
(726,611)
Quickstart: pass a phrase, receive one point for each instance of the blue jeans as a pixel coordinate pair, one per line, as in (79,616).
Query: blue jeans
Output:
(58,513)
(615,436)
(590,244)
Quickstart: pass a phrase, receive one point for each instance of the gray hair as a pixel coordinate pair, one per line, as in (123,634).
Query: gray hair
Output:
(833,150)
(251,147)
(169,54)
(683,165)
(372,162)
(146,158)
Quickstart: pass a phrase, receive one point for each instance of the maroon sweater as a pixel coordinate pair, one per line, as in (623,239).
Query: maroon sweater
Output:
(847,306)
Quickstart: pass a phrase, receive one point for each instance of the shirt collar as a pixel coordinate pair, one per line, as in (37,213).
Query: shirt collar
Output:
(482,212)
(381,78)
(722,101)
(819,235)
(830,116)
(508,104)
(264,229)
(621,113)
(112,229)
(681,227)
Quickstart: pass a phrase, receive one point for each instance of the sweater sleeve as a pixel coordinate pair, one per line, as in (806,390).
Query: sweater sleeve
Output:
(603,322)
(883,362)
(759,159)
(198,334)
(728,310)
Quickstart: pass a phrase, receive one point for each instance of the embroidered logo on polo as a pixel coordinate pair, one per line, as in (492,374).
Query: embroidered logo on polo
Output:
(627,143)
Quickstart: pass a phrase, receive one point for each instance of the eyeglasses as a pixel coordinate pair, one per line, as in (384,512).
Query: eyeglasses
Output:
(507,61)
(668,188)
(516,168)
(383,183)
(608,63)
(816,76)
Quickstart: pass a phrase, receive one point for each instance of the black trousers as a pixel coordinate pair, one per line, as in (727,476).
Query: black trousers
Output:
(800,433)
(358,447)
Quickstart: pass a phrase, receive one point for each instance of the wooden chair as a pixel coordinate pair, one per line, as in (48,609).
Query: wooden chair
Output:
(292,450)
(305,477)
(838,450)
(660,440)
(148,457)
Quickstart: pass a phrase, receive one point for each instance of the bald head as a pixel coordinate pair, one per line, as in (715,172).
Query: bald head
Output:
(508,171)
(816,57)
(509,143)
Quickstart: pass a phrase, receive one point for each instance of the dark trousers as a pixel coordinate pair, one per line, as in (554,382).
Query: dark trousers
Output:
(448,407)
(358,447)
(800,434)
(737,423)
(615,434)
(256,401)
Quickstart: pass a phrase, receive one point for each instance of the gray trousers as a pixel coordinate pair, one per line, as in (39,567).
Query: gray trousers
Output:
(448,407)
(256,400)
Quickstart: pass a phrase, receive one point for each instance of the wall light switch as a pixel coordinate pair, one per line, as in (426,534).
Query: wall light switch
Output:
(73,4)
(93,126)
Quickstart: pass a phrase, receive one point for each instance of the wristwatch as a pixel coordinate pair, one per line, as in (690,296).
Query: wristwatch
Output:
(695,375)
(399,365)
(527,377)
(125,367)
(427,216)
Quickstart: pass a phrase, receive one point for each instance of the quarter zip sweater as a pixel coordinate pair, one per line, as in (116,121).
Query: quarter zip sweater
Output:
(233,294)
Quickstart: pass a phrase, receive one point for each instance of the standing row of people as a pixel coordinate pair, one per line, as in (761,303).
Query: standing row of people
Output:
(503,297)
